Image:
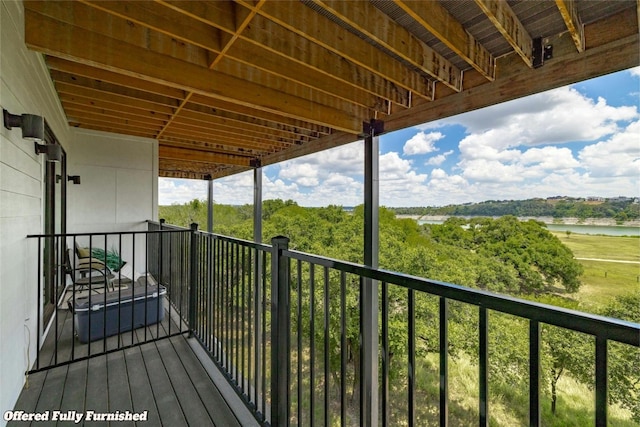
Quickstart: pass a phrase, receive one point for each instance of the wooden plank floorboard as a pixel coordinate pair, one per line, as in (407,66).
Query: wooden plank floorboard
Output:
(119,391)
(190,402)
(140,387)
(163,393)
(97,387)
(74,392)
(210,396)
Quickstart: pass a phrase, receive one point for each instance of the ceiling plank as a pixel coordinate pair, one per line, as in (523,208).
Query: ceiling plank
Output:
(307,23)
(377,26)
(128,101)
(163,20)
(84,70)
(76,114)
(298,59)
(439,22)
(71,42)
(569,11)
(107,106)
(185,142)
(232,139)
(507,22)
(176,153)
(297,126)
(110,88)
(208,119)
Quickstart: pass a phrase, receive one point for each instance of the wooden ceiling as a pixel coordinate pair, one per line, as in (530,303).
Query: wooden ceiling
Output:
(225,86)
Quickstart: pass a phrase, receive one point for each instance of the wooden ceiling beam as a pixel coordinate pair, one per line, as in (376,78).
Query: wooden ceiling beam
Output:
(164,21)
(110,88)
(107,106)
(114,129)
(507,22)
(243,110)
(238,130)
(179,131)
(175,153)
(569,11)
(439,22)
(198,144)
(77,69)
(374,24)
(89,119)
(71,42)
(96,94)
(197,118)
(307,23)
(264,44)
(76,114)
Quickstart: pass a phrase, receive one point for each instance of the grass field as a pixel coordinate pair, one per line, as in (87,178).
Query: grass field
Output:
(603,280)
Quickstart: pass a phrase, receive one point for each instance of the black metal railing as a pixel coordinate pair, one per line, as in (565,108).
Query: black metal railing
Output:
(109,295)
(287,329)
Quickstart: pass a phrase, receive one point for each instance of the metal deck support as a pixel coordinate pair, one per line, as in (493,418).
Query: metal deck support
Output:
(257,205)
(369,297)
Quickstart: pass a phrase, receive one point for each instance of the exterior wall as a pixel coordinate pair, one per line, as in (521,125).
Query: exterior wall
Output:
(25,87)
(118,192)
(119,182)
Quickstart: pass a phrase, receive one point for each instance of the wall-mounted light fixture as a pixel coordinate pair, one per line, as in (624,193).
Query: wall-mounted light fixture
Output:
(53,151)
(32,126)
(74,178)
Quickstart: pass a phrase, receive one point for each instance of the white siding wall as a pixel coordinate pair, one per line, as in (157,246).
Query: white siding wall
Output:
(118,192)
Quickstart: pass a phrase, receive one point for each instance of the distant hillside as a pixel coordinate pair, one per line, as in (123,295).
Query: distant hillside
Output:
(619,209)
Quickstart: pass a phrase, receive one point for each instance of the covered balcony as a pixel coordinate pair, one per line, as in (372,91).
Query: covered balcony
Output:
(202,329)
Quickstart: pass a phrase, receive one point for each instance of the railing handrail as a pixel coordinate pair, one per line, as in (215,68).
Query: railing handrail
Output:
(605,327)
(104,233)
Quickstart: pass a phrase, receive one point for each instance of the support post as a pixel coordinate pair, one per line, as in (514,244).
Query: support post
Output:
(280,335)
(257,205)
(209,204)
(193,279)
(369,389)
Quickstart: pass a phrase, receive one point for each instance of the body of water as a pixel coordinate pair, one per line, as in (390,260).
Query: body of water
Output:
(579,229)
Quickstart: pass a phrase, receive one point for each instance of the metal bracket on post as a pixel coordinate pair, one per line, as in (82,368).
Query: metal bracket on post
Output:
(280,332)
(193,279)
(541,52)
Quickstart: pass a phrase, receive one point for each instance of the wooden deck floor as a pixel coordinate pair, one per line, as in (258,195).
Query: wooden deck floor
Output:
(165,378)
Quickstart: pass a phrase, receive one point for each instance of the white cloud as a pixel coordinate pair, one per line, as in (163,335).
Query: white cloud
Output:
(439,159)
(635,71)
(422,143)
(616,157)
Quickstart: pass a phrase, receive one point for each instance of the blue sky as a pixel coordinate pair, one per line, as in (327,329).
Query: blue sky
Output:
(580,140)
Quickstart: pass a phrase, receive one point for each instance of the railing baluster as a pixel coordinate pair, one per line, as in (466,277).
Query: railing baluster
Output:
(385,354)
(534,373)
(412,357)
(601,381)
(326,347)
(343,348)
(444,362)
(299,339)
(483,330)
(312,346)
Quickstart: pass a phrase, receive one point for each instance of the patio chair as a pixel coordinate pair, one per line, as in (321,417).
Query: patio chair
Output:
(88,273)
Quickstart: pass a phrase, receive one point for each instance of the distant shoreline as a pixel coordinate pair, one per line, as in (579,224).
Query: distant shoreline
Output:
(602,222)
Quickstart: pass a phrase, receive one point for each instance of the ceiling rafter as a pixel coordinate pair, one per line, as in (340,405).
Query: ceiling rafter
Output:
(377,26)
(308,64)
(308,24)
(507,22)
(569,11)
(203,156)
(207,120)
(195,142)
(439,22)
(71,42)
